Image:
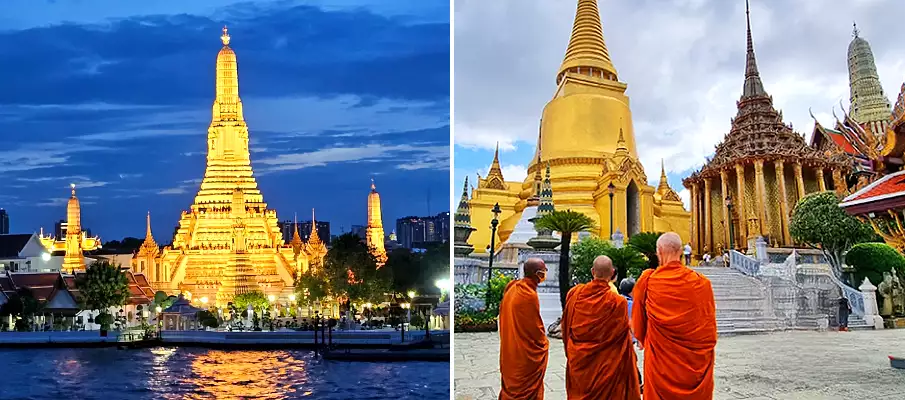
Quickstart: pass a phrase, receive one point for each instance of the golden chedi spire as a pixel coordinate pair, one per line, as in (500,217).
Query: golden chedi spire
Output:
(296,242)
(587,49)
(753,85)
(374,231)
(149,246)
(315,248)
(494,178)
(73,260)
(663,189)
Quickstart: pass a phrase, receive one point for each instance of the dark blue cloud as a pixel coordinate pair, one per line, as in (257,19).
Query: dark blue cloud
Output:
(122,108)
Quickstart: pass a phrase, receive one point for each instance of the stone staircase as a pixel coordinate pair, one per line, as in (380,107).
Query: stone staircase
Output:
(742,305)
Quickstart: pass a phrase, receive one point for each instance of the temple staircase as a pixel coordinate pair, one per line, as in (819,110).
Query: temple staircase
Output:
(742,303)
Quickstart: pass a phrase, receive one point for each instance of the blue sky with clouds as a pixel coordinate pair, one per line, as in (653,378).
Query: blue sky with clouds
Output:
(116,97)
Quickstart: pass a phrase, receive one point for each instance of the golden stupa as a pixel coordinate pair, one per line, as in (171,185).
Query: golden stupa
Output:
(586,138)
(228,242)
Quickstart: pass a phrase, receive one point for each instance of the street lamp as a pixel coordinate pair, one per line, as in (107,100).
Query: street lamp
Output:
(271,298)
(442,284)
(729,208)
(292,298)
(493,224)
(611,188)
(411,294)
(204,300)
(45,257)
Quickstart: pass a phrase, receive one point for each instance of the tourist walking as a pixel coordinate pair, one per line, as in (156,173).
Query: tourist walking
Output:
(600,360)
(844,310)
(523,342)
(674,320)
(687,253)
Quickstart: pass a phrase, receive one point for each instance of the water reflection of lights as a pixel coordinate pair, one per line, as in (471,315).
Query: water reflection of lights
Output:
(247,374)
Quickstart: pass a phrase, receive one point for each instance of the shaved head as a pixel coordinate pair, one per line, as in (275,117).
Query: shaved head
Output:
(532,266)
(602,268)
(669,247)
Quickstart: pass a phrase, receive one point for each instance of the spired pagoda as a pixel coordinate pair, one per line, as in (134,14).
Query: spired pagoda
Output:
(76,241)
(868,134)
(757,174)
(374,232)
(586,138)
(228,242)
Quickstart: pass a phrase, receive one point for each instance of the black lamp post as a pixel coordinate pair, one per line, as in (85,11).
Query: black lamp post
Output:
(612,189)
(729,207)
(493,224)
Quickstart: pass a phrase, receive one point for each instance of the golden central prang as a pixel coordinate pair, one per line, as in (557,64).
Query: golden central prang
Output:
(228,242)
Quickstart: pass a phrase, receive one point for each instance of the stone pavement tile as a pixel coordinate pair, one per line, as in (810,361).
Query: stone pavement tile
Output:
(784,365)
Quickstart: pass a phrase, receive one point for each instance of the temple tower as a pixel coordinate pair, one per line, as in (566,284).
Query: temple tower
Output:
(586,138)
(869,105)
(757,174)
(74,259)
(147,255)
(315,248)
(374,232)
(228,242)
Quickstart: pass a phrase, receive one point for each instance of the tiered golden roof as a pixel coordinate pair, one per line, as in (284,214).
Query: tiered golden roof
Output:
(587,49)
(315,248)
(149,246)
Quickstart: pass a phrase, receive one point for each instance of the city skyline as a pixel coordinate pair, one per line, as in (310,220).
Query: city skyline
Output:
(125,116)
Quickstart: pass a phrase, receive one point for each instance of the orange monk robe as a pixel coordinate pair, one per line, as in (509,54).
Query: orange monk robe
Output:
(523,342)
(601,363)
(674,317)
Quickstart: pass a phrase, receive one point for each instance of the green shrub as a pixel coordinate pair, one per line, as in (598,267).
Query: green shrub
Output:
(627,260)
(871,260)
(497,286)
(646,243)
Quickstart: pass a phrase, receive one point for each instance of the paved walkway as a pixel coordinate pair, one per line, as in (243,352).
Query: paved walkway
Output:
(783,365)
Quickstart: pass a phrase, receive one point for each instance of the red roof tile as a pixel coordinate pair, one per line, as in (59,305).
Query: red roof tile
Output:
(842,143)
(893,185)
(31,280)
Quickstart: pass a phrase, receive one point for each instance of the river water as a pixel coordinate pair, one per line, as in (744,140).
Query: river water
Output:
(197,373)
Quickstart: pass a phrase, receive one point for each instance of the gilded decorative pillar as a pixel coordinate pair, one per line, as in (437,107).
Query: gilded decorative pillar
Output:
(821,183)
(707,227)
(799,180)
(695,219)
(740,204)
(784,202)
(761,195)
(839,182)
(727,219)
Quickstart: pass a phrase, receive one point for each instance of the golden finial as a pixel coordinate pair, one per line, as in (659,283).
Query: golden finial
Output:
(72,185)
(855,30)
(225,36)
(372,184)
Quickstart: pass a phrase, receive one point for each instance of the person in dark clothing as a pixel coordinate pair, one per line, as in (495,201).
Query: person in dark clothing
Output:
(625,289)
(844,310)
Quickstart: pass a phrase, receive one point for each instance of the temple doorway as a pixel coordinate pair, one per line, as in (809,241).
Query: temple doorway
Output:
(632,209)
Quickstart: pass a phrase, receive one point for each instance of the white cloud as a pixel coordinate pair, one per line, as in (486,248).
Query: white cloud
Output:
(406,156)
(683,62)
(512,173)
(685,195)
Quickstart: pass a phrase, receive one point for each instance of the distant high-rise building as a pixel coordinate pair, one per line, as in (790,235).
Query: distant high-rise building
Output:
(415,232)
(323,230)
(4,222)
(359,230)
(59,229)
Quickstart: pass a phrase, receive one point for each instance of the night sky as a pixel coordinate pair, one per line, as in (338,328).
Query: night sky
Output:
(116,97)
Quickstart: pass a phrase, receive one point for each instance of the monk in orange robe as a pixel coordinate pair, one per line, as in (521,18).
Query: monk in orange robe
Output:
(523,342)
(674,320)
(601,362)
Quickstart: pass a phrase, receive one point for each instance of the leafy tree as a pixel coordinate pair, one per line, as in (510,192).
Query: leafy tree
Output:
(162,300)
(583,255)
(207,319)
(312,286)
(352,270)
(646,243)
(435,265)
(871,260)
(566,223)
(257,299)
(103,285)
(817,221)
(406,268)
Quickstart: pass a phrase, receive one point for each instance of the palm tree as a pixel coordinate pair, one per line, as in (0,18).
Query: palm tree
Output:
(646,243)
(566,223)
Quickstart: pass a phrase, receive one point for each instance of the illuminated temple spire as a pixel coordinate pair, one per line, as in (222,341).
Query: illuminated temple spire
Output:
(296,242)
(73,259)
(753,84)
(228,157)
(149,246)
(587,49)
(315,248)
(374,231)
